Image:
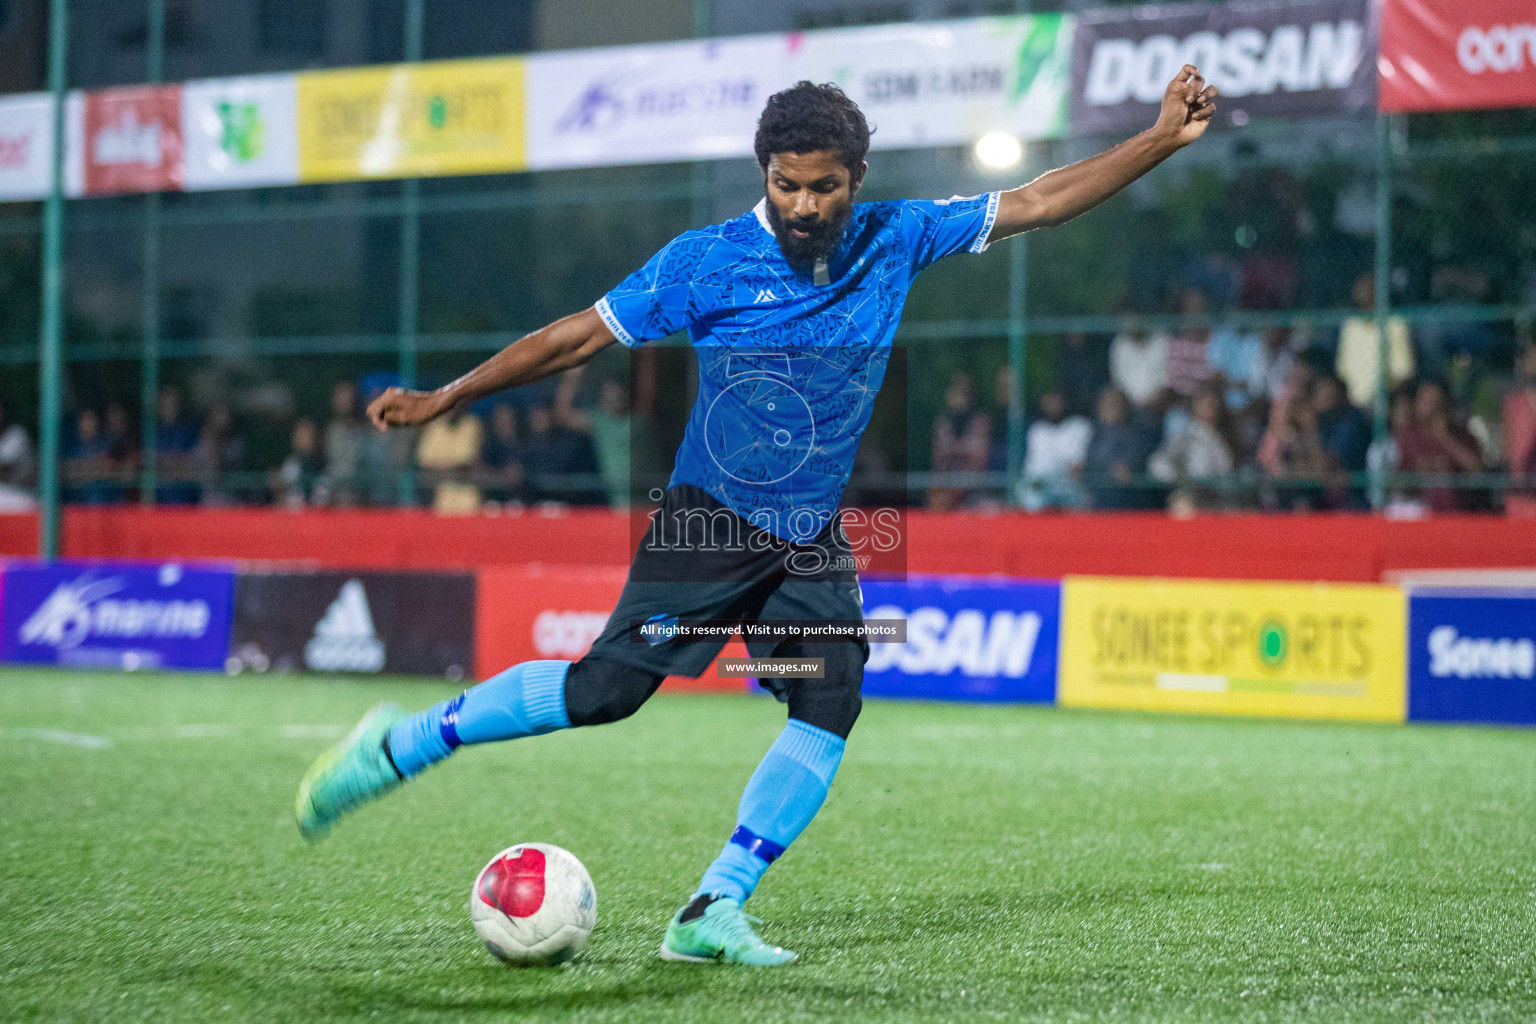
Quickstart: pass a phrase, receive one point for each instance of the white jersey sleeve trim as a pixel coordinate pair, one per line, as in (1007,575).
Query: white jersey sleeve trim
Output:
(980,245)
(605,311)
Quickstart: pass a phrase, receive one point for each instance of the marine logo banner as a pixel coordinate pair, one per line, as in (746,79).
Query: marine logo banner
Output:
(405,120)
(1266,649)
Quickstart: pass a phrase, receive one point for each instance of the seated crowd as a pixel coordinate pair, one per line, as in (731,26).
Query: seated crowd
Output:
(1279,420)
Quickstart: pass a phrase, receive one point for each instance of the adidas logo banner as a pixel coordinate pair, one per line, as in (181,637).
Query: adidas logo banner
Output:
(344,640)
(405,623)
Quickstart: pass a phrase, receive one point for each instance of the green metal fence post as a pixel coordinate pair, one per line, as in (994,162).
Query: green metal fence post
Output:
(1018,355)
(701,173)
(409,322)
(1383,278)
(51,343)
(149,367)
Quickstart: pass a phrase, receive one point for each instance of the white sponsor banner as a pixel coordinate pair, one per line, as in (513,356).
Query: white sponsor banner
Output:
(642,104)
(948,83)
(26,145)
(240,132)
(936,83)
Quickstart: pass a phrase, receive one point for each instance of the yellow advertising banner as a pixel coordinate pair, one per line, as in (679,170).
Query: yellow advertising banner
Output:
(409,120)
(1291,650)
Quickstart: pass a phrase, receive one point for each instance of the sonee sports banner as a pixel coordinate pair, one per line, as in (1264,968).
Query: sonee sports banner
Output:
(1287,650)
(1472,656)
(1266,59)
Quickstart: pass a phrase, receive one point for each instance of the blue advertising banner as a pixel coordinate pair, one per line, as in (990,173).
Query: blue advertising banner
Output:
(1472,656)
(116,615)
(967,639)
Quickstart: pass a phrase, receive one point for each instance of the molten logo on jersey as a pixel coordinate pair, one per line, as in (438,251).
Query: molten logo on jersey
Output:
(514,882)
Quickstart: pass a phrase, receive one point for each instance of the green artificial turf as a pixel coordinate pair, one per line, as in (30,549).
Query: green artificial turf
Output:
(973,863)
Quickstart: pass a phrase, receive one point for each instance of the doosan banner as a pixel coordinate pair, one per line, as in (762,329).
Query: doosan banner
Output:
(1266,59)
(967,639)
(116,615)
(1457,54)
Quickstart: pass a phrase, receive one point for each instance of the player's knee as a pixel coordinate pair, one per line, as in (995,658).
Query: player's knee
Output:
(832,702)
(598,691)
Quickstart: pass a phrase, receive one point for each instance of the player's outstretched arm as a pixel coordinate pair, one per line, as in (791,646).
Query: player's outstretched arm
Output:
(569,341)
(1058,196)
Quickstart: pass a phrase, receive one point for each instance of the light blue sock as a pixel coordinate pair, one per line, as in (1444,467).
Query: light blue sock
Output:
(525,700)
(781,798)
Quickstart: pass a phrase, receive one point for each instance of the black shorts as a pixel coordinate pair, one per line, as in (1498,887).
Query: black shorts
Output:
(700,560)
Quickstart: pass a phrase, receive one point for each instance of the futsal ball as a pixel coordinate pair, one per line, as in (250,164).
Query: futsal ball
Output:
(533,905)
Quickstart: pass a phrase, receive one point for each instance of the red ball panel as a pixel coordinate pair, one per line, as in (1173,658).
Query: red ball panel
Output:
(515,885)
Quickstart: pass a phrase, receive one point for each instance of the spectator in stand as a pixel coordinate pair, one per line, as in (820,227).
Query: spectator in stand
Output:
(88,467)
(448,454)
(1383,456)
(1201,453)
(1082,371)
(1003,398)
(608,428)
(1238,356)
(1345,431)
(1276,357)
(1117,453)
(1437,445)
(1357,359)
(220,451)
(553,451)
(1054,449)
(1291,453)
(1138,364)
(345,436)
(175,439)
(1189,365)
(501,458)
(1520,420)
(301,478)
(961,436)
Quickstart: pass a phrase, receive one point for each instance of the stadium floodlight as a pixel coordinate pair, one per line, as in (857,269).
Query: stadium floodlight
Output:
(998,150)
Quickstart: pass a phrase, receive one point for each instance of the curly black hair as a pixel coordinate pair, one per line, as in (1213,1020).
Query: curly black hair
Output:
(808,117)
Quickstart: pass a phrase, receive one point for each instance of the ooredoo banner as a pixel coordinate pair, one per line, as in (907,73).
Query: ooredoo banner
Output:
(407,120)
(1457,54)
(26,145)
(116,615)
(1267,59)
(241,132)
(1290,650)
(967,639)
(132,140)
(1472,656)
(532,612)
(409,623)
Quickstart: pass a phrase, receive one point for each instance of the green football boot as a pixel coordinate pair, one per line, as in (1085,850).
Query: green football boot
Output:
(723,932)
(354,772)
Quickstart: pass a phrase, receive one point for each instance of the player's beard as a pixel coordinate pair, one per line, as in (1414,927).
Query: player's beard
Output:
(825,235)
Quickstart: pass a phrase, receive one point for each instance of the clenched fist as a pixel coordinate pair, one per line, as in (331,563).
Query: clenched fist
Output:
(1188,104)
(398,407)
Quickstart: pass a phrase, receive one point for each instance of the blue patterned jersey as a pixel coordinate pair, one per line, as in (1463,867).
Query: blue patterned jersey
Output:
(789,363)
